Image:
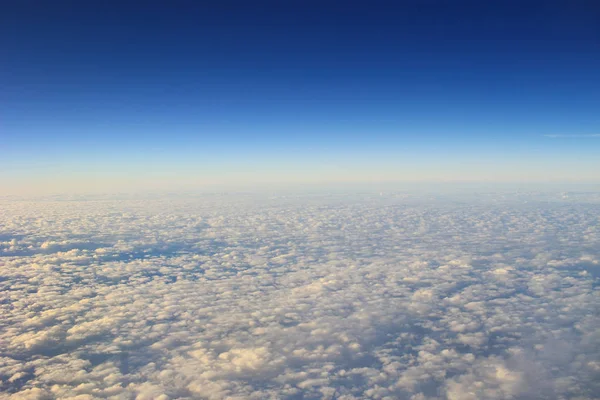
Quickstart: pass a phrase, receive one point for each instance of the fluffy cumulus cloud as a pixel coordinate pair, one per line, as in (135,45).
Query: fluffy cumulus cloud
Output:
(301,297)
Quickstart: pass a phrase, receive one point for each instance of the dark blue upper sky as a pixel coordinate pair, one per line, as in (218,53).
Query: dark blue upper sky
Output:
(266,82)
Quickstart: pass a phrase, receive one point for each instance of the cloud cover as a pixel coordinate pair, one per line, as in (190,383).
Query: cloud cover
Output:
(301,297)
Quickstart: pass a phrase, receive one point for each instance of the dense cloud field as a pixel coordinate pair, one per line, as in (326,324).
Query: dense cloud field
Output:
(301,297)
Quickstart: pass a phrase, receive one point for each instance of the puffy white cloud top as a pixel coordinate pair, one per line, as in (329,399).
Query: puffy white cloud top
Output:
(301,297)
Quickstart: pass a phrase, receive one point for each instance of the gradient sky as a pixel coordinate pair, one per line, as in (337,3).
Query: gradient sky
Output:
(128,94)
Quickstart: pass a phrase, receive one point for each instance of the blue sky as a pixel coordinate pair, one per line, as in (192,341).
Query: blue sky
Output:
(93,94)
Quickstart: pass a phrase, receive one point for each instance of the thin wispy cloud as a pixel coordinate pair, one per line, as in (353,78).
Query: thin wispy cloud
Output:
(567,136)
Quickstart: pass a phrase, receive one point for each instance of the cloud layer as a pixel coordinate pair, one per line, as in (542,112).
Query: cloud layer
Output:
(312,297)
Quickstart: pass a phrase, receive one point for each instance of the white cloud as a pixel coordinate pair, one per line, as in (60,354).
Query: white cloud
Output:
(302,297)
